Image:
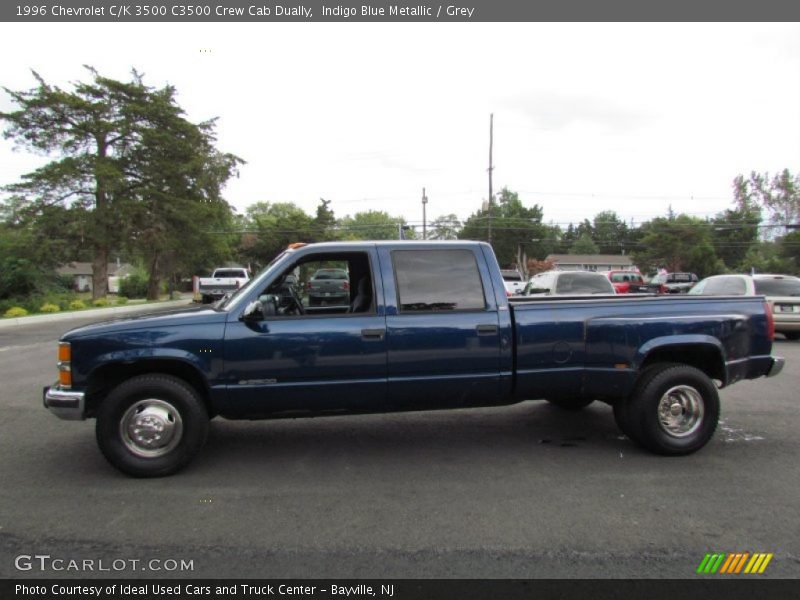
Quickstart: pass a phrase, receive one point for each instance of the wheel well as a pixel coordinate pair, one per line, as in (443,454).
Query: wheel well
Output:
(105,378)
(705,358)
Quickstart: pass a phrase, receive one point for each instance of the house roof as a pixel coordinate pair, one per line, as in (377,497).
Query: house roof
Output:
(590,259)
(85,268)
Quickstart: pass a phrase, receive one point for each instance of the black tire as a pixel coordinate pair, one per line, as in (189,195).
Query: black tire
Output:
(145,403)
(622,405)
(674,410)
(571,403)
(792,335)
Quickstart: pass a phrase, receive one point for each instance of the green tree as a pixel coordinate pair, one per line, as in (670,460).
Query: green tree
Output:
(123,152)
(513,226)
(780,196)
(583,245)
(765,257)
(679,243)
(446,227)
(176,178)
(733,233)
(790,250)
(372,225)
(609,232)
(325,222)
(271,228)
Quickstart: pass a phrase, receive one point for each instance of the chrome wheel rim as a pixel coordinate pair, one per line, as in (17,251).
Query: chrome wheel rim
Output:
(151,428)
(680,411)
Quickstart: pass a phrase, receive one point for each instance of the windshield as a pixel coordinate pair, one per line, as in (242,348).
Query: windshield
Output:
(625,277)
(323,274)
(511,276)
(229,273)
(784,286)
(229,299)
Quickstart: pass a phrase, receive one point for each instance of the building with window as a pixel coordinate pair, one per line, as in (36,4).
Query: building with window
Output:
(592,262)
(81,273)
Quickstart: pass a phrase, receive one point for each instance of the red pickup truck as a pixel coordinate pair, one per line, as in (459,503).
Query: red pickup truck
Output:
(632,282)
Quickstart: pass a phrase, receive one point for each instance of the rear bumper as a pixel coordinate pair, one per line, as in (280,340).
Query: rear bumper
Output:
(777,366)
(65,404)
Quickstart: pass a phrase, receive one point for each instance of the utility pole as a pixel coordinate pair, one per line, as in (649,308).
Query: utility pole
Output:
(490,169)
(424,221)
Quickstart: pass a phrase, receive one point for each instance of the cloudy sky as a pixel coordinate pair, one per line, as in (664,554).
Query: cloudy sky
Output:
(588,117)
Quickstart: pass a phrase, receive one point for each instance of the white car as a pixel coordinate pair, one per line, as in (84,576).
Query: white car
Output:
(569,283)
(781,291)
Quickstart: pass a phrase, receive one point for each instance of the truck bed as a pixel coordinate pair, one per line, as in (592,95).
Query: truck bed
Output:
(595,346)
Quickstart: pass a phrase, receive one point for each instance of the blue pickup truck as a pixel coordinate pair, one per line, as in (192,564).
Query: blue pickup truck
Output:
(425,326)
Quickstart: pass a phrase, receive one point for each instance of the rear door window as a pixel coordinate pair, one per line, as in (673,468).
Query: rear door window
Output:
(437,280)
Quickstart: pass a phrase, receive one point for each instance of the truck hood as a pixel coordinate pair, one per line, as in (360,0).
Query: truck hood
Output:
(171,318)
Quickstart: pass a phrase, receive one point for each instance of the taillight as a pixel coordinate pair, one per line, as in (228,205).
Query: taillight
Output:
(238,284)
(65,364)
(346,286)
(770,321)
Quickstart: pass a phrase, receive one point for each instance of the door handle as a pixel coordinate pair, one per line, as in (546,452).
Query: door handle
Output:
(487,329)
(372,335)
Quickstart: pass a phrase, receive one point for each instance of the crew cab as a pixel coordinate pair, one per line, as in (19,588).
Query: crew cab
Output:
(222,281)
(428,325)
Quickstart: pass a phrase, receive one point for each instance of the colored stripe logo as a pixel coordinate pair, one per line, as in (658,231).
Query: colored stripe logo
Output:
(734,563)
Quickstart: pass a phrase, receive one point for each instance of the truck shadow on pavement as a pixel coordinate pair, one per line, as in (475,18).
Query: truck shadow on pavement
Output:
(495,434)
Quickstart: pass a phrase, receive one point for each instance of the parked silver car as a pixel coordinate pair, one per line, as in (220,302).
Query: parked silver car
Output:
(568,283)
(781,291)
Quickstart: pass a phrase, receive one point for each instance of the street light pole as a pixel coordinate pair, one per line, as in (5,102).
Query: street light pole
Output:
(424,220)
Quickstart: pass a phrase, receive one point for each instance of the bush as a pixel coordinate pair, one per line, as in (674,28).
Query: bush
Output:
(16,311)
(121,300)
(133,286)
(77,305)
(100,302)
(48,307)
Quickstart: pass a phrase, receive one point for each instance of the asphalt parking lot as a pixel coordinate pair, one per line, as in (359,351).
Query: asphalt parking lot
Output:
(521,491)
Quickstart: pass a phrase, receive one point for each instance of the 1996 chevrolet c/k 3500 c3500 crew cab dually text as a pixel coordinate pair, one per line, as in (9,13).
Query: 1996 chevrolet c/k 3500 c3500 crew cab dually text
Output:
(425,326)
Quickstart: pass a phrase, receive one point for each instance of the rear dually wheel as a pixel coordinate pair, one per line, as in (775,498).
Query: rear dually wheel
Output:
(674,410)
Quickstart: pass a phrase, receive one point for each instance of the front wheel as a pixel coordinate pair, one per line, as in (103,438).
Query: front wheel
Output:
(792,335)
(674,411)
(151,425)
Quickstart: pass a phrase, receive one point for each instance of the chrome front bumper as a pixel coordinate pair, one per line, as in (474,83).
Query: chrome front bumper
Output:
(65,404)
(777,366)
